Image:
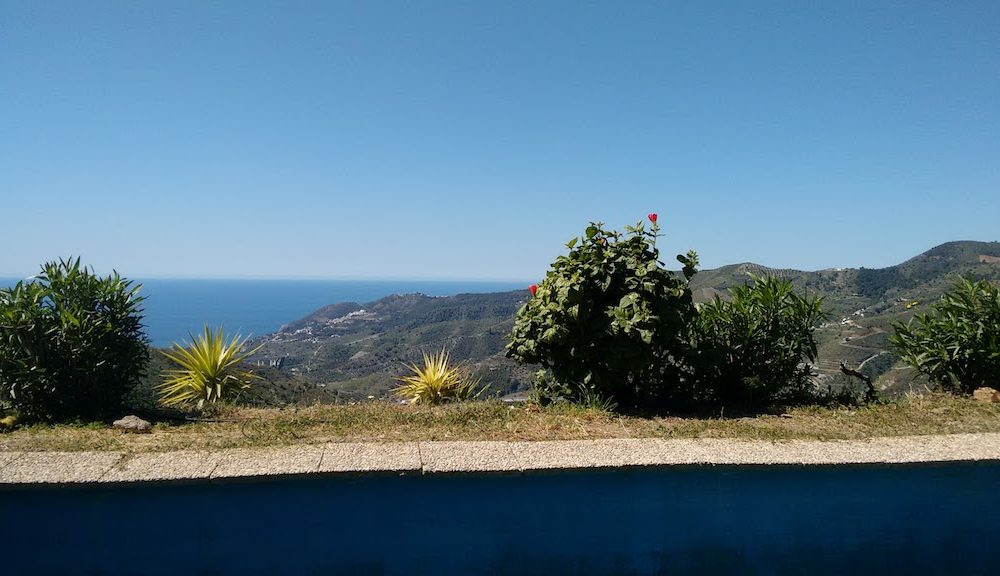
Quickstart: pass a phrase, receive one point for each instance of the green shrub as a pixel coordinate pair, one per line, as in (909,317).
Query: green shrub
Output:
(609,321)
(207,370)
(437,381)
(957,345)
(71,343)
(755,349)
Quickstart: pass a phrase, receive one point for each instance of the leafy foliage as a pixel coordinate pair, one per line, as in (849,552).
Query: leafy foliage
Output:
(755,349)
(957,345)
(208,370)
(437,381)
(71,343)
(609,321)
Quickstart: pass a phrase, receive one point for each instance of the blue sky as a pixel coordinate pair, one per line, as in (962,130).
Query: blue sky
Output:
(473,139)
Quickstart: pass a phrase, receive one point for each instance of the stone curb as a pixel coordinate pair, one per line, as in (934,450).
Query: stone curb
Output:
(25,468)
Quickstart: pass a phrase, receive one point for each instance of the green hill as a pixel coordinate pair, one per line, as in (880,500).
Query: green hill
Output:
(348,351)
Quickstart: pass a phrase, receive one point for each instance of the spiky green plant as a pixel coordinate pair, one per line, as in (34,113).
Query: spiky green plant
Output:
(209,370)
(437,381)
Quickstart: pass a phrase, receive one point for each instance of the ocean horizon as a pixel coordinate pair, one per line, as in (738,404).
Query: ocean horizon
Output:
(176,309)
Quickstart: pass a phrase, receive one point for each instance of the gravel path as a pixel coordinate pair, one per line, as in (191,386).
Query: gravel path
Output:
(497,457)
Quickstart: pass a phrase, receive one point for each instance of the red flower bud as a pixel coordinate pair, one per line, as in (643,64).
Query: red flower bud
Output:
(652,217)
(533,288)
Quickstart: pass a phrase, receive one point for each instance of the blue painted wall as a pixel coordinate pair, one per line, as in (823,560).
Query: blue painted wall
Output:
(900,520)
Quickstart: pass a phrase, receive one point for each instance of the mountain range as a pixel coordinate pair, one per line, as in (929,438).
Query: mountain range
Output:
(349,351)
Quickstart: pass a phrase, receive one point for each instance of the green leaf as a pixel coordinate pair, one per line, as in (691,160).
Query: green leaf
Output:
(596,327)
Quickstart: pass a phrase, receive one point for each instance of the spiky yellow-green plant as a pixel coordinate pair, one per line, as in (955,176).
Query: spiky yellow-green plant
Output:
(437,381)
(208,370)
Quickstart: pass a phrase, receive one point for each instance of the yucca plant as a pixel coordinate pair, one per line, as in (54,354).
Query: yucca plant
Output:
(437,381)
(209,370)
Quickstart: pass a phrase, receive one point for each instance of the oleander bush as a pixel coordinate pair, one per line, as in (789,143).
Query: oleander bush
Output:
(71,343)
(755,349)
(609,322)
(208,370)
(957,344)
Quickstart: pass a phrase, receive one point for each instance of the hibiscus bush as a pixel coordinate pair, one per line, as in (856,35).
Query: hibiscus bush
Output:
(609,322)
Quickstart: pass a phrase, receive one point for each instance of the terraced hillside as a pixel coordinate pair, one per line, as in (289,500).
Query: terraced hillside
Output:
(348,351)
(864,302)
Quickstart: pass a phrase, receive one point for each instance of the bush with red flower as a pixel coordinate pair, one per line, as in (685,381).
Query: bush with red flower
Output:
(609,321)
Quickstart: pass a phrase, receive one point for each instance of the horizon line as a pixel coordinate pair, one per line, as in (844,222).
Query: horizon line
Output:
(142,277)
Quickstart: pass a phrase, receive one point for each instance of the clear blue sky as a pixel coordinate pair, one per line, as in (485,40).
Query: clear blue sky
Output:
(472,139)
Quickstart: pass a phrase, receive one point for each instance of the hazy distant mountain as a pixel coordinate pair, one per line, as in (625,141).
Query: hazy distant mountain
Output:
(351,350)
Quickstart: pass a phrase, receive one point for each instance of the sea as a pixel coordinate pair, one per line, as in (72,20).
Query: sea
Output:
(176,309)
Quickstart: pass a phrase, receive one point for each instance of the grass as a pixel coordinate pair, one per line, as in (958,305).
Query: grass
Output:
(492,420)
